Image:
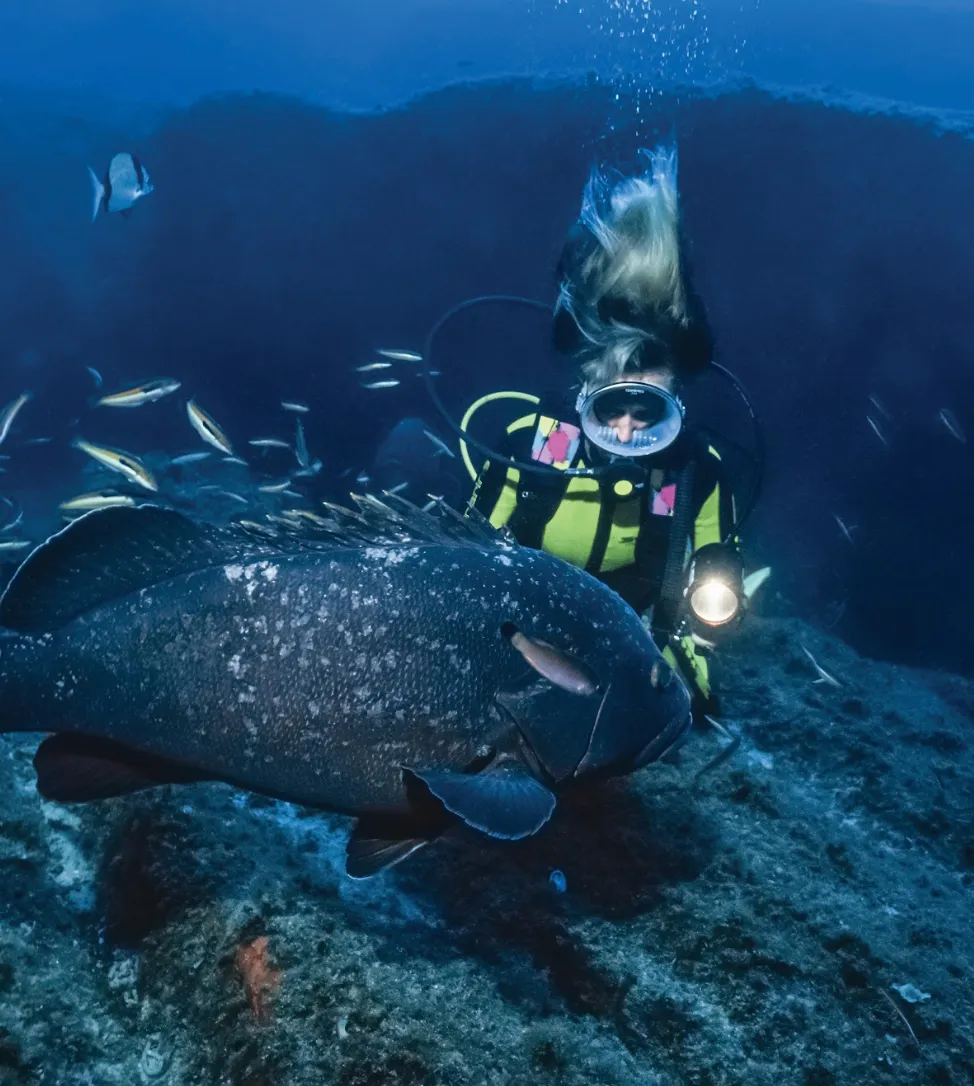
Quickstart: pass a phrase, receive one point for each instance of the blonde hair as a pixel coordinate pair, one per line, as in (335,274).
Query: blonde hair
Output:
(625,289)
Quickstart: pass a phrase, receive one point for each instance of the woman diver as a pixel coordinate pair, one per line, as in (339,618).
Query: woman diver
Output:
(638,499)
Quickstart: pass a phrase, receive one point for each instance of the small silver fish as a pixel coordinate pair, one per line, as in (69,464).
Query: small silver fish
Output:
(234,497)
(306,514)
(83,503)
(440,444)
(235,460)
(823,675)
(878,404)
(298,408)
(288,493)
(126,180)
(399,355)
(312,469)
(268,443)
(19,519)
(96,375)
(274,488)
(363,478)
(398,488)
(38,441)
(949,419)
(147,392)
(207,428)
(373,366)
(553,665)
(390,383)
(190,458)
(13,545)
(9,413)
(117,460)
(847,530)
(876,430)
(301,447)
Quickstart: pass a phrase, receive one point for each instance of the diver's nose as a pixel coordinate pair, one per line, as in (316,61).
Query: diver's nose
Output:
(623,429)
(625,426)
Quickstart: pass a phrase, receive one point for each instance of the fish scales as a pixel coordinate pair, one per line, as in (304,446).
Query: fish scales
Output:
(315,669)
(269,681)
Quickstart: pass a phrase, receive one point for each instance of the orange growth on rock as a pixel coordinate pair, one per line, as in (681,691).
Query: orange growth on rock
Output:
(260,978)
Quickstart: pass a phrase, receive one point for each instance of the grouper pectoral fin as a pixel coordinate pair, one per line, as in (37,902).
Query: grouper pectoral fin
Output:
(502,801)
(77,768)
(374,846)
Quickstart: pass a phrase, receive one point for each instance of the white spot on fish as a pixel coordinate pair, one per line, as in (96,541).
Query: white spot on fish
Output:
(391,556)
(270,573)
(233,572)
(233,666)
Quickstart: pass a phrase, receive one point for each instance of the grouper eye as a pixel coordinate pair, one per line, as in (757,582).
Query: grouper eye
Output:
(552,664)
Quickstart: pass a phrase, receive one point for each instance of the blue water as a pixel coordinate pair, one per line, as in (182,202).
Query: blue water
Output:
(373,54)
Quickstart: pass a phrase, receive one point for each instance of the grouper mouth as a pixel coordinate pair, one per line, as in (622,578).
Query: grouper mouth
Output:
(671,738)
(584,761)
(619,718)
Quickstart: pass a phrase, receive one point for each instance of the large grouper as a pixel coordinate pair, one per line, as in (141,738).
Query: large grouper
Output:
(413,669)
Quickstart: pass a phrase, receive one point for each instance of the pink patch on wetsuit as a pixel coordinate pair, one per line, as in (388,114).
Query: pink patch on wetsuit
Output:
(558,444)
(664,500)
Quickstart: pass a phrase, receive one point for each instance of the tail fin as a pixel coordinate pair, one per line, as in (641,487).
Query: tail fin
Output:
(98,193)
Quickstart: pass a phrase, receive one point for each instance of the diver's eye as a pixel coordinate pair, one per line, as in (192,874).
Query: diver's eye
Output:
(552,664)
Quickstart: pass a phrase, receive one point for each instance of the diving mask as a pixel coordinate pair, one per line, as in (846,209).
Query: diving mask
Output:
(655,414)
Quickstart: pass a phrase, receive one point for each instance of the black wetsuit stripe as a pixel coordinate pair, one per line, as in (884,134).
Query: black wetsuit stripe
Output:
(490,487)
(607,507)
(726,512)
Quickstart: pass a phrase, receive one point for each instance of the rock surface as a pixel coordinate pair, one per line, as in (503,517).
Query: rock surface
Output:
(747,925)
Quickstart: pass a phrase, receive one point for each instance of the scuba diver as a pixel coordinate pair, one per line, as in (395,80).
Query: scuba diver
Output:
(638,498)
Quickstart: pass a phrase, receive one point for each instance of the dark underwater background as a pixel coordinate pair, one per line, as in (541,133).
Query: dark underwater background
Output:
(285,242)
(794,908)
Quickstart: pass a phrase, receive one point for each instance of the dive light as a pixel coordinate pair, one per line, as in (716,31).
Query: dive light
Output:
(715,586)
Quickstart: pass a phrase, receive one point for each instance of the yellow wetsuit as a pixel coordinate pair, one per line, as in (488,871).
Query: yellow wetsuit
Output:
(620,532)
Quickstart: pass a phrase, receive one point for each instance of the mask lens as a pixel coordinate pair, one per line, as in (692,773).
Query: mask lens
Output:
(655,418)
(646,407)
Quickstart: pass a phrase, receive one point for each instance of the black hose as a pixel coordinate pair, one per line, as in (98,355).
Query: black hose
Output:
(507,461)
(590,472)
